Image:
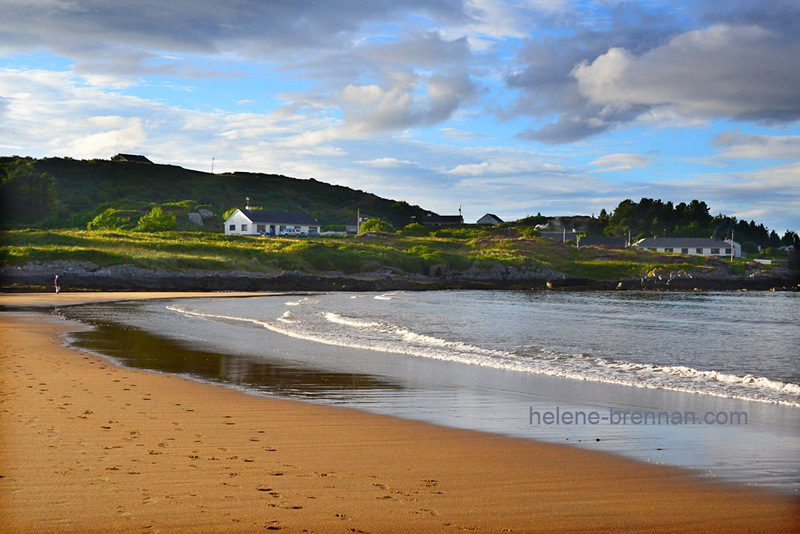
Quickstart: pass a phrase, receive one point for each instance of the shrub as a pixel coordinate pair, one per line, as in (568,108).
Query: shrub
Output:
(110,219)
(156,221)
(461,232)
(414,230)
(530,232)
(375,225)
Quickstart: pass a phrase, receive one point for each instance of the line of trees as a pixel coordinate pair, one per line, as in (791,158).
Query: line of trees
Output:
(650,217)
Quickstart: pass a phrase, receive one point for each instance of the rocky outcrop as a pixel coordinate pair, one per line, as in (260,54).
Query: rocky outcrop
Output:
(76,275)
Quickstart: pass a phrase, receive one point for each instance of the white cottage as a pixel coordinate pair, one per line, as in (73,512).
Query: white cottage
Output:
(695,246)
(261,222)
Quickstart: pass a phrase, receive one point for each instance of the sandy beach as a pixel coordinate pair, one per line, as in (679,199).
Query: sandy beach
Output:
(86,446)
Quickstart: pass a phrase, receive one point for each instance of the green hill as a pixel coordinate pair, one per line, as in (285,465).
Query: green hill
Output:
(68,193)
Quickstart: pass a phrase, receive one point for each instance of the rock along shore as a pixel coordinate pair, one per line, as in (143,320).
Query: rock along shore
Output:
(85,276)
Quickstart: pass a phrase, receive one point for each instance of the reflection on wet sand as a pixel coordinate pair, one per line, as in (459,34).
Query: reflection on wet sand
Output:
(139,349)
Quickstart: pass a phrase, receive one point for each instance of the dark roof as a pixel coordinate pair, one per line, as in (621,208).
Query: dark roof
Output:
(131,158)
(680,242)
(432,218)
(491,216)
(280,217)
(616,242)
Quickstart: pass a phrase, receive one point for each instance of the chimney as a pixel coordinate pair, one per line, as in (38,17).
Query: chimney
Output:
(247,204)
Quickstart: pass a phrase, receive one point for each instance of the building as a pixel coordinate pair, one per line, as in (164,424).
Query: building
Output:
(695,246)
(260,222)
(442,220)
(491,219)
(131,158)
(610,242)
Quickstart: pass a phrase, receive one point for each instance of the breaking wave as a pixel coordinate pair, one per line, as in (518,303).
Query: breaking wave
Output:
(334,329)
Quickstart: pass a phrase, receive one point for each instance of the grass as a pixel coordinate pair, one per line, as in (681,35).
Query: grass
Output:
(350,255)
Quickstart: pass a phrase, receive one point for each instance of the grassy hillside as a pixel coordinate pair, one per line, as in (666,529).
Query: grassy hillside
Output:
(410,255)
(68,193)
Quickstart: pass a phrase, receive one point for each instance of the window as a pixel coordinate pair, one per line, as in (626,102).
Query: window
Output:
(698,251)
(232,227)
(684,251)
(715,251)
(727,252)
(667,250)
(244,228)
(261,228)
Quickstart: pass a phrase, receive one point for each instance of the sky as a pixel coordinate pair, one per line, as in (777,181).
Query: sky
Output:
(517,107)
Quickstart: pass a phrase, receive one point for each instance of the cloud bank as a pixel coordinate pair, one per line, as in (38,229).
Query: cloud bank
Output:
(507,106)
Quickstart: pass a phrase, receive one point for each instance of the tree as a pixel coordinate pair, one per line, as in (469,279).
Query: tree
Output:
(748,247)
(790,239)
(156,221)
(26,195)
(774,240)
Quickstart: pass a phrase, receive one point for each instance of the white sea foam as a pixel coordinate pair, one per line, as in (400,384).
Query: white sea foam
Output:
(287,317)
(385,337)
(338,319)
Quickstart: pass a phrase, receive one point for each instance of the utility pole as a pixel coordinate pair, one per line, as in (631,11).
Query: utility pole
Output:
(732,250)
(212,165)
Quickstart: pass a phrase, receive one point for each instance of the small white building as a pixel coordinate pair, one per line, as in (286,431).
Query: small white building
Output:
(261,222)
(491,219)
(695,246)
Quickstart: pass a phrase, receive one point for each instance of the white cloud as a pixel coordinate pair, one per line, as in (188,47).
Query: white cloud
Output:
(105,142)
(621,162)
(502,167)
(405,101)
(751,146)
(721,71)
(455,133)
(387,163)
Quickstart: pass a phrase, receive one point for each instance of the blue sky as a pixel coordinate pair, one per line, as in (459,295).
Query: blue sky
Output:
(511,107)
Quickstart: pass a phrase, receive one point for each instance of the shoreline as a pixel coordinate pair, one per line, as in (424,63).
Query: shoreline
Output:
(121,278)
(133,450)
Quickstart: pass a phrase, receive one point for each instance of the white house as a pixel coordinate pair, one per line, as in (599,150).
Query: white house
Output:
(695,246)
(261,222)
(490,218)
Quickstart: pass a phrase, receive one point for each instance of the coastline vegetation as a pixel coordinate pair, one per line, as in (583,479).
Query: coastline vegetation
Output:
(111,213)
(173,250)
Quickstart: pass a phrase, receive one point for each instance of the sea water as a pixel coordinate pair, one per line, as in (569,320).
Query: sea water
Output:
(705,381)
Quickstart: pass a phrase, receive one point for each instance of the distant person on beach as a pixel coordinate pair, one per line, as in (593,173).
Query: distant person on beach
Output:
(58,285)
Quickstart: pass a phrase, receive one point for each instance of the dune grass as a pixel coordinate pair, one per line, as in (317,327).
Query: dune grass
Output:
(350,255)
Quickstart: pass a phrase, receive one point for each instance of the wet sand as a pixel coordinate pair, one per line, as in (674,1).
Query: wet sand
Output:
(86,446)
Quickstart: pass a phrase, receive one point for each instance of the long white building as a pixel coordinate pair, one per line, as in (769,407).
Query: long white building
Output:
(695,246)
(261,222)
